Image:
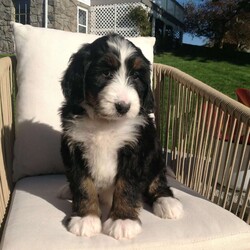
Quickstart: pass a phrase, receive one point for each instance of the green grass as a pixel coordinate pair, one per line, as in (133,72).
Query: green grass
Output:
(223,71)
(4,55)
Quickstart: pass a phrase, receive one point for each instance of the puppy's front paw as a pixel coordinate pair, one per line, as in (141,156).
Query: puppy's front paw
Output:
(168,207)
(122,229)
(85,226)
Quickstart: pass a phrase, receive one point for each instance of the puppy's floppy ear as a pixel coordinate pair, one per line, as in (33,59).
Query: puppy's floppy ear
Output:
(148,101)
(73,82)
(148,98)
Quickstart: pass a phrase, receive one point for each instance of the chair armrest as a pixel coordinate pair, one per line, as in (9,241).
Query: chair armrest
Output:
(7,70)
(206,134)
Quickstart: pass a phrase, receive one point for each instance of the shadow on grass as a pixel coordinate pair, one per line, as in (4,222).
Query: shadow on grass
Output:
(204,54)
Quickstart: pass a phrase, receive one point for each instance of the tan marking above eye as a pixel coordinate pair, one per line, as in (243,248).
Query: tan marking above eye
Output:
(111,60)
(137,63)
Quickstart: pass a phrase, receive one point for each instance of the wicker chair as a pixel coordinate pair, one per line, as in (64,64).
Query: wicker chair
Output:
(205,139)
(207,135)
(204,135)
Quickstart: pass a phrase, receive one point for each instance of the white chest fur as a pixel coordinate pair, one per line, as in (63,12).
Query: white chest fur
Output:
(102,140)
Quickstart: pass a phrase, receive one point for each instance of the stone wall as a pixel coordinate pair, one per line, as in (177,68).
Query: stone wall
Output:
(62,15)
(7,15)
(37,13)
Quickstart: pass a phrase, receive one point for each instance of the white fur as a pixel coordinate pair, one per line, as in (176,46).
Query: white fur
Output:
(168,207)
(102,139)
(122,229)
(118,91)
(152,115)
(89,225)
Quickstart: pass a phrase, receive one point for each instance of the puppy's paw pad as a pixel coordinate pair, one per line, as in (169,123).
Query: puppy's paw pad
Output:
(85,226)
(168,207)
(122,229)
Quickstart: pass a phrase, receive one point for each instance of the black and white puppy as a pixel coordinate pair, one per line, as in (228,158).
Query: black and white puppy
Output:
(109,144)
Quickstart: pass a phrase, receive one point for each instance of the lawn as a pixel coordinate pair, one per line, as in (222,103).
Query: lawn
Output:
(223,71)
(3,55)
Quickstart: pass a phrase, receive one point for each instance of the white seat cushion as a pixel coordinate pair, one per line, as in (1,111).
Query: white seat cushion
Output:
(37,221)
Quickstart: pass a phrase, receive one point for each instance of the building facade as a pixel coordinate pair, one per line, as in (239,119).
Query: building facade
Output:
(91,16)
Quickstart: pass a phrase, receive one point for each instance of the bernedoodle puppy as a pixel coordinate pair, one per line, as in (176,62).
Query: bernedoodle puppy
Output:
(109,145)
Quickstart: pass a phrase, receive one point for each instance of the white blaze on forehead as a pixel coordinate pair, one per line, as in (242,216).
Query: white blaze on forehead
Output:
(124,48)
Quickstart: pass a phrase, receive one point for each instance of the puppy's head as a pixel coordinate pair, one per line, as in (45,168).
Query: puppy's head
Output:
(110,78)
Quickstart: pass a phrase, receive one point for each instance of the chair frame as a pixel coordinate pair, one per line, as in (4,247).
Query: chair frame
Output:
(202,132)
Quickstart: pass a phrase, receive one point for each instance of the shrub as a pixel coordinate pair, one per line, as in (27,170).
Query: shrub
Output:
(140,16)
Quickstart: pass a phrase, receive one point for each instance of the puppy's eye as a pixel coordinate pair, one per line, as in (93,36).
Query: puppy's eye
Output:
(108,74)
(135,75)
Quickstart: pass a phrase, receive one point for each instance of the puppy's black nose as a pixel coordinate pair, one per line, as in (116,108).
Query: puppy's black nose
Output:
(122,107)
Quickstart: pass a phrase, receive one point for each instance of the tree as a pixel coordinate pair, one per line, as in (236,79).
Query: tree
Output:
(238,34)
(221,21)
(140,16)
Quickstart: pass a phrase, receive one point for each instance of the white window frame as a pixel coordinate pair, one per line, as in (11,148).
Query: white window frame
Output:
(87,2)
(78,24)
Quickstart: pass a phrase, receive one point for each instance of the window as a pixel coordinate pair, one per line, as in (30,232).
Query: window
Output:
(22,11)
(82,20)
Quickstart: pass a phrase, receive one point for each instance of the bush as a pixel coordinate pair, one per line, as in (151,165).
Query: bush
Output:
(140,16)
